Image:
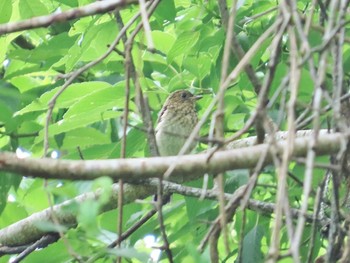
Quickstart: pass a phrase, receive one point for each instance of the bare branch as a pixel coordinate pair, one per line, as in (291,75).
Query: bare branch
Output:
(97,7)
(190,166)
(26,231)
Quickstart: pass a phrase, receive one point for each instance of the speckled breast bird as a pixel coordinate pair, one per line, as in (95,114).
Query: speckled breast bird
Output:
(175,122)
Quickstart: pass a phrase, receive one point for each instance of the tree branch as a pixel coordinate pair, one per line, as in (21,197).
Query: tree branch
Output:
(44,21)
(189,166)
(26,231)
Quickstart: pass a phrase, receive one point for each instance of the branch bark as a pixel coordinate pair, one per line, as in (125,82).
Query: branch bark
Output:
(188,166)
(28,229)
(43,21)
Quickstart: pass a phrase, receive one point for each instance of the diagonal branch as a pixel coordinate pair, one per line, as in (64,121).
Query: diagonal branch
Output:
(27,231)
(97,7)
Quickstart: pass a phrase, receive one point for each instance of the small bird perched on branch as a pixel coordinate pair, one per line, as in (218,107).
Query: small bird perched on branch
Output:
(175,122)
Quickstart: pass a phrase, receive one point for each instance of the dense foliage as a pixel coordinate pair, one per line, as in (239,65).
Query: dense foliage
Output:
(87,120)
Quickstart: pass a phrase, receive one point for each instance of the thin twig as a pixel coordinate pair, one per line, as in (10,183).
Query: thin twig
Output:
(133,228)
(317,208)
(241,235)
(159,205)
(327,108)
(281,199)
(41,243)
(146,26)
(254,17)
(219,124)
(318,94)
(127,65)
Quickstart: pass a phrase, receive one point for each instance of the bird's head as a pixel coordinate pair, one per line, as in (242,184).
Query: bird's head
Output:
(182,98)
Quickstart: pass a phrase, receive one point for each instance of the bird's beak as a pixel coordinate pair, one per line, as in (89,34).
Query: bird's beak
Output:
(198,97)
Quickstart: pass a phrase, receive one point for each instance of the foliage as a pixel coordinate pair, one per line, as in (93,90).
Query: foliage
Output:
(189,40)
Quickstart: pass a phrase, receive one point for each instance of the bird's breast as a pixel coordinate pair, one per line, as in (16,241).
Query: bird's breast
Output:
(173,131)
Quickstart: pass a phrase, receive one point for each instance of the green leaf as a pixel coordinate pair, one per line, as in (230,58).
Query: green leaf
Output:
(84,137)
(6,11)
(236,121)
(88,212)
(50,226)
(163,41)
(346,59)
(130,253)
(308,86)
(98,101)
(9,97)
(183,80)
(72,94)
(191,19)
(235,179)
(104,183)
(12,213)
(252,246)
(183,44)
(7,180)
(94,152)
(19,68)
(79,121)
(56,252)
(71,3)
(155,58)
(6,114)
(197,210)
(43,54)
(29,9)
(34,198)
(92,42)
(165,11)
(26,83)
(199,66)
(135,144)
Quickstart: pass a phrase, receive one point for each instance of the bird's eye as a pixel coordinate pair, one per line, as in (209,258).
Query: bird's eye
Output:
(183,95)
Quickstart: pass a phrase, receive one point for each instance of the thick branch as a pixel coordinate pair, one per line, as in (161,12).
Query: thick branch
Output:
(27,230)
(189,166)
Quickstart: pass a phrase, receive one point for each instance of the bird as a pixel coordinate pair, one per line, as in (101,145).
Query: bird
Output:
(175,123)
